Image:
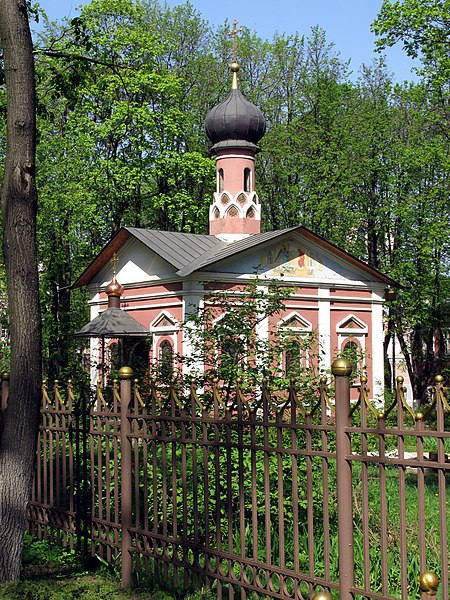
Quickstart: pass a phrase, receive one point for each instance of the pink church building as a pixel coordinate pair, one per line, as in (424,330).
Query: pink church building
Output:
(164,275)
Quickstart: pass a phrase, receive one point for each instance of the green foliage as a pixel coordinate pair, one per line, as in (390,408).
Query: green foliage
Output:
(118,143)
(37,552)
(203,594)
(82,588)
(422,27)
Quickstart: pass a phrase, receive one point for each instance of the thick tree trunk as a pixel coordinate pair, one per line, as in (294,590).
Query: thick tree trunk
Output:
(19,199)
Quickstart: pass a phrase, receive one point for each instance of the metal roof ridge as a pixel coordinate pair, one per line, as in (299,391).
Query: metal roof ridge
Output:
(177,244)
(233,248)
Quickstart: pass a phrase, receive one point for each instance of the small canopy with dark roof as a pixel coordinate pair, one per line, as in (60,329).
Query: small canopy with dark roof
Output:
(113,322)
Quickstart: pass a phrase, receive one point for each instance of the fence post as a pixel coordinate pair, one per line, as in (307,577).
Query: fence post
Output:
(125,374)
(341,369)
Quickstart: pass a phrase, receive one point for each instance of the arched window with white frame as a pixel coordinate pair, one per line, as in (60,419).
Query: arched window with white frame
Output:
(165,360)
(164,330)
(352,334)
(220,181)
(247,180)
(351,350)
(295,335)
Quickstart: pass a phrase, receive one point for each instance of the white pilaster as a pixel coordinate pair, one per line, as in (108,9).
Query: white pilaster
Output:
(377,348)
(94,343)
(324,329)
(192,305)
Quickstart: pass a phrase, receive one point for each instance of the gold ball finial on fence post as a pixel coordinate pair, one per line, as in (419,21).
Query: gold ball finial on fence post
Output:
(341,367)
(429,583)
(125,373)
(321,596)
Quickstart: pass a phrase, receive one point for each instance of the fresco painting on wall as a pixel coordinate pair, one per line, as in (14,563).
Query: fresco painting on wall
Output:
(289,260)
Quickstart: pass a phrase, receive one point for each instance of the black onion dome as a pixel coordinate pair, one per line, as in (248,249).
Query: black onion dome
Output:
(235,122)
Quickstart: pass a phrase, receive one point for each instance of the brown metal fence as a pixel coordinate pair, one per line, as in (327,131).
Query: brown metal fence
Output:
(289,494)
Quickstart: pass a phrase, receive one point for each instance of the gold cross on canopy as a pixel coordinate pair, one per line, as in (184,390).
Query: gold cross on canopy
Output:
(234,32)
(114,263)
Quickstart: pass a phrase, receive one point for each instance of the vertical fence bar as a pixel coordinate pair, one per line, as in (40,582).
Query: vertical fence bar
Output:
(439,392)
(125,374)
(365,487)
(325,476)
(341,369)
(402,488)
(295,486)
(420,426)
(309,493)
(68,476)
(383,508)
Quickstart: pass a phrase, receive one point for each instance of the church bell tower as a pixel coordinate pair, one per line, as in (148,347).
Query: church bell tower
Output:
(234,127)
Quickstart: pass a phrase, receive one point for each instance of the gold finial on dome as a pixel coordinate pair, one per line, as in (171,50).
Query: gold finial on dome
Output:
(234,65)
(114,288)
(234,69)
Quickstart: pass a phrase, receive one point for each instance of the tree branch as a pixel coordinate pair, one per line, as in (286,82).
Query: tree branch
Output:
(67,56)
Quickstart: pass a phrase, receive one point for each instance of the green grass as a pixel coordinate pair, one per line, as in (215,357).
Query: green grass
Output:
(82,586)
(53,573)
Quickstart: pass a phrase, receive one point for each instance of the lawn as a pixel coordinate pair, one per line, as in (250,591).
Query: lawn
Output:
(52,573)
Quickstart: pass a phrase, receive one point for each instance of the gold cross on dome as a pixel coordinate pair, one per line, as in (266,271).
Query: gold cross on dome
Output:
(234,32)
(114,263)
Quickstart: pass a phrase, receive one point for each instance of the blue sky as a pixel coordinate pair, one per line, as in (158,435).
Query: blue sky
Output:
(346,22)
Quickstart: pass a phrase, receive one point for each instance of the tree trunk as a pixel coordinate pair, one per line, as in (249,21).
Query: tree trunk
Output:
(19,202)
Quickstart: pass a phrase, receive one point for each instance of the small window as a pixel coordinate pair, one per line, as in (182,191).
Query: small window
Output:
(166,360)
(352,352)
(114,356)
(293,357)
(247,180)
(220,181)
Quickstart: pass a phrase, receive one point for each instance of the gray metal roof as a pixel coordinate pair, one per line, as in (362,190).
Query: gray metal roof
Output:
(189,252)
(113,323)
(228,250)
(179,249)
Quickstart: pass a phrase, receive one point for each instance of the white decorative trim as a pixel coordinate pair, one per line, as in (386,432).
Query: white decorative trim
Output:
(377,352)
(225,156)
(359,338)
(325,329)
(157,337)
(350,331)
(262,328)
(166,331)
(152,306)
(154,328)
(194,306)
(252,201)
(307,328)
